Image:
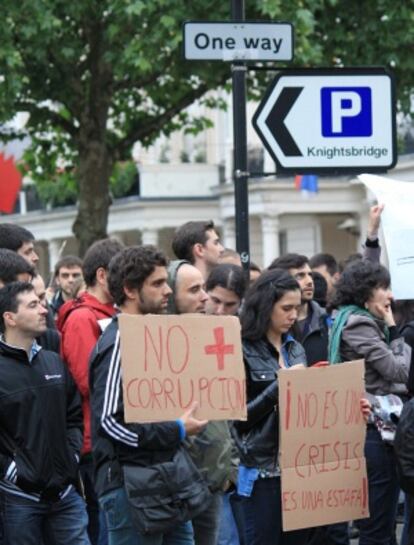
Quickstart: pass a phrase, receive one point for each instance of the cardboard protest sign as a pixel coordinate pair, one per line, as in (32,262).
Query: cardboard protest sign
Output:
(322,435)
(170,361)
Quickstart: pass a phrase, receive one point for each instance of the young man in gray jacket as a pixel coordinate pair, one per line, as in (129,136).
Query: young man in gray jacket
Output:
(210,449)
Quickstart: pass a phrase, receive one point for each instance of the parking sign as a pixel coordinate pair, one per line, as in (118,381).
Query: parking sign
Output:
(346,111)
(340,120)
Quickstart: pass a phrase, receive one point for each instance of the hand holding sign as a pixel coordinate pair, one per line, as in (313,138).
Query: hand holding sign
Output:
(191,424)
(366,408)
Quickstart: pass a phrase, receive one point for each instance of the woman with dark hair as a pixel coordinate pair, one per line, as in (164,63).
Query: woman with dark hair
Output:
(225,288)
(364,328)
(270,309)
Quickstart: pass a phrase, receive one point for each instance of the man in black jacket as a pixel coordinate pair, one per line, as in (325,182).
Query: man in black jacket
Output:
(40,430)
(137,281)
(13,268)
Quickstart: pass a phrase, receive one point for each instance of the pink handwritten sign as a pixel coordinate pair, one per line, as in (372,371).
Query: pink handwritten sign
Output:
(168,362)
(322,436)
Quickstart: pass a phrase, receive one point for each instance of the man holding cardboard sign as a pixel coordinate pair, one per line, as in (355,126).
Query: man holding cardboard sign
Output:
(143,474)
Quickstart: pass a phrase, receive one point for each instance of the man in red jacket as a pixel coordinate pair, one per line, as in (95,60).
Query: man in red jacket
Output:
(81,322)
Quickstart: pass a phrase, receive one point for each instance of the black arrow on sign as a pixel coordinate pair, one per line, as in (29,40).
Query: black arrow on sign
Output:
(276,121)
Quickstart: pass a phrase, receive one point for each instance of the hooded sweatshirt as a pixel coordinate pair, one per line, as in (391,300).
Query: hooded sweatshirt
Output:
(210,449)
(172,282)
(81,322)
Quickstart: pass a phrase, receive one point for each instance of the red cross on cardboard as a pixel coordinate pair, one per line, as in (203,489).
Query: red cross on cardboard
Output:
(219,349)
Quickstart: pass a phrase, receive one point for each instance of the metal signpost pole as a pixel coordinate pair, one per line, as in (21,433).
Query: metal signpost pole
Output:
(240,174)
(239,41)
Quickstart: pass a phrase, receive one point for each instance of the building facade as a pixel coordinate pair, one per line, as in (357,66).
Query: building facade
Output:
(189,177)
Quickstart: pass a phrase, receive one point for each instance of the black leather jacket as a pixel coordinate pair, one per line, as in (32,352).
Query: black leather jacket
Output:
(315,339)
(258,438)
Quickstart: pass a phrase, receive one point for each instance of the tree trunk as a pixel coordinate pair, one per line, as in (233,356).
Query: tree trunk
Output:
(94,170)
(95,161)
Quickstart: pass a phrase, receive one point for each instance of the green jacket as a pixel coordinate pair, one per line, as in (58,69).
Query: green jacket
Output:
(211,450)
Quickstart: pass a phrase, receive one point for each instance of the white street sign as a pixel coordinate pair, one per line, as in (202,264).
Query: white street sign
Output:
(322,120)
(238,41)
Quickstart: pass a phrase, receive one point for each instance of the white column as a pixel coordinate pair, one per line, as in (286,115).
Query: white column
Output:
(219,139)
(23,202)
(229,142)
(54,249)
(268,163)
(176,146)
(150,236)
(270,239)
(318,237)
(229,234)
(212,138)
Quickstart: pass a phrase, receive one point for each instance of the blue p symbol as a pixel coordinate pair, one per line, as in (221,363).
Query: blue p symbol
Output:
(346,111)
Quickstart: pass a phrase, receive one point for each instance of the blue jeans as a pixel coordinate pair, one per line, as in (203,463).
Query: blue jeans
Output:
(263,510)
(243,515)
(383,490)
(228,534)
(122,532)
(96,528)
(407,537)
(28,522)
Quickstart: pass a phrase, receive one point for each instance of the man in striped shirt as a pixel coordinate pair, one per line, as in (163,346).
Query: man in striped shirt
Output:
(137,281)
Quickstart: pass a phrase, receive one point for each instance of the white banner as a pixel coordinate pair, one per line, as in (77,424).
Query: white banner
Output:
(398,226)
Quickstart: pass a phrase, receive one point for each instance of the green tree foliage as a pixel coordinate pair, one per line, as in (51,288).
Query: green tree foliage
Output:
(370,33)
(98,75)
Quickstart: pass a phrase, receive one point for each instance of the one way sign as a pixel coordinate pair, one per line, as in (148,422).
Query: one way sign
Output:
(329,120)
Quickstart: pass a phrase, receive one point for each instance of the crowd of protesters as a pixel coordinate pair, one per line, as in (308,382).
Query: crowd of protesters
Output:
(73,471)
